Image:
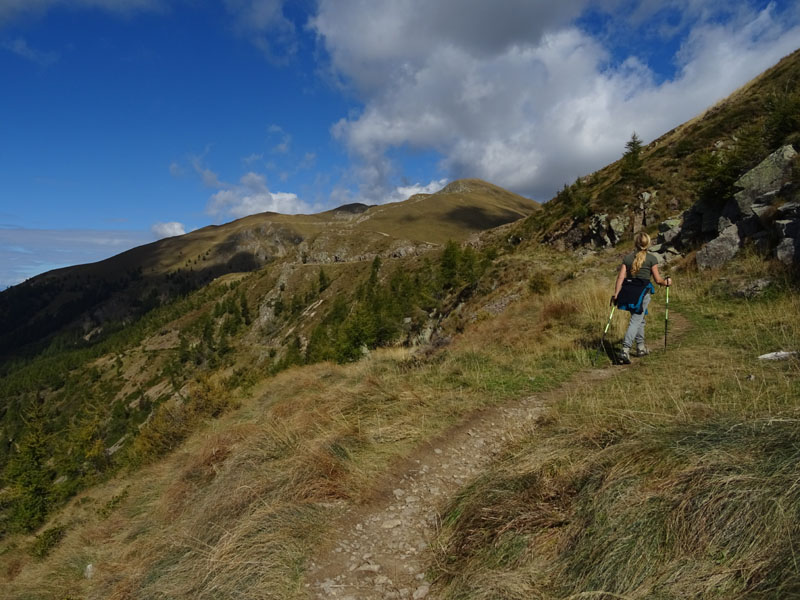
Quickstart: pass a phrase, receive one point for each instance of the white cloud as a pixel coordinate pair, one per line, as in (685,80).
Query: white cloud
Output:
(176,170)
(170,229)
(308,162)
(404,192)
(249,160)
(251,196)
(283,146)
(520,96)
(21,48)
(209,177)
(263,23)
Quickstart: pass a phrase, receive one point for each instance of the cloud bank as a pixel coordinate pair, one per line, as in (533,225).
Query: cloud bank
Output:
(250,196)
(519,94)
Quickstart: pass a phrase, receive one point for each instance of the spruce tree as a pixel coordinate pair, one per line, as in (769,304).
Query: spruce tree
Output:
(29,473)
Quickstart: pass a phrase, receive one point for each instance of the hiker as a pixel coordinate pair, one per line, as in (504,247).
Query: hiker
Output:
(632,293)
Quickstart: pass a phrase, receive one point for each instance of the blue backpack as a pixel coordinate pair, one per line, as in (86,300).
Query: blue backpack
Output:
(631,295)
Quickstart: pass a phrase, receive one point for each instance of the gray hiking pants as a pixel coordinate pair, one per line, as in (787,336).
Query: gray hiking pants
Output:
(636,326)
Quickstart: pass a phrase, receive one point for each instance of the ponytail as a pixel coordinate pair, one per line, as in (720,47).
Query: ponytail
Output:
(642,242)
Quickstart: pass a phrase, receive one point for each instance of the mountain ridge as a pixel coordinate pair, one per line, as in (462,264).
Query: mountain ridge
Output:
(174,265)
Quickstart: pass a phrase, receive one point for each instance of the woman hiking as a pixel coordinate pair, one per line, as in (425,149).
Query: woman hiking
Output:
(632,293)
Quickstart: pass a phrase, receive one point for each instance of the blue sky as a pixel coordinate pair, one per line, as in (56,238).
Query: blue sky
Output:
(122,121)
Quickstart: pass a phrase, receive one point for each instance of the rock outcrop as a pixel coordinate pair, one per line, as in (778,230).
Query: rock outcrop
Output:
(754,214)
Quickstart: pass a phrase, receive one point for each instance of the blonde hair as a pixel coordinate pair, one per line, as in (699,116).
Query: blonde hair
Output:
(642,242)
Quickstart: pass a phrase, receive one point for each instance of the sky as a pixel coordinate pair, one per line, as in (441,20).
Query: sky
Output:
(125,121)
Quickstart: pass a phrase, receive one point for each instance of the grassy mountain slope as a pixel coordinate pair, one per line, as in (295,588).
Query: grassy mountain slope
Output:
(207,449)
(83,299)
(126,335)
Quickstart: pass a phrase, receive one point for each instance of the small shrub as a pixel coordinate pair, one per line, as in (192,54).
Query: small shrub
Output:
(46,541)
(540,283)
(112,504)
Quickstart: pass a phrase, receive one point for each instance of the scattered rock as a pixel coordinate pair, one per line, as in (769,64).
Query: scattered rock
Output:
(788,251)
(790,210)
(753,289)
(720,250)
(88,572)
(421,592)
(781,355)
(669,224)
(392,523)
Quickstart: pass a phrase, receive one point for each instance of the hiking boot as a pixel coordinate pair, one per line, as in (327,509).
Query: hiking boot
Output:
(624,357)
(642,351)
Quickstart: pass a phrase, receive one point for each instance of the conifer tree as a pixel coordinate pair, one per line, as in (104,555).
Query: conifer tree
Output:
(449,266)
(29,473)
(631,159)
(324,282)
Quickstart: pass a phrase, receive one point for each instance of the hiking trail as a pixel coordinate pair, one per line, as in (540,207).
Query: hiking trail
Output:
(380,549)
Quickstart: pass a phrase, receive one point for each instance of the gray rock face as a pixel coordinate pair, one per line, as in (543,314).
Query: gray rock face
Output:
(598,225)
(766,178)
(607,232)
(746,217)
(788,251)
(790,210)
(619,225)
(719,250)
(669,225)
(786,228)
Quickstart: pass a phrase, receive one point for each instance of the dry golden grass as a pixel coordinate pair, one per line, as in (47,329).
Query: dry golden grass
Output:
(240,506)
(673,478)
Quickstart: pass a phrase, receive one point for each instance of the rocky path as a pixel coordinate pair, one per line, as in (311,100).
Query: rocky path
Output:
(379,553)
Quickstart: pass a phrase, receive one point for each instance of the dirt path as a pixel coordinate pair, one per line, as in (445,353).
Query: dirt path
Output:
(379,553)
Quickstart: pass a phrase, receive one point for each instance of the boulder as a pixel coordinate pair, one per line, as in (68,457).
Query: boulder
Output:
(669,230)
(760,184)
(719,250)
(618,226)
(598,226)
(786,228)
(749,227)
(767,177)
(790,210)
(669,224)
(760,210)
(753,289)
(788,251)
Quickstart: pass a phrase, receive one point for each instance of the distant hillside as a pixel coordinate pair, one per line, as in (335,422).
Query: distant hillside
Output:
(85,297)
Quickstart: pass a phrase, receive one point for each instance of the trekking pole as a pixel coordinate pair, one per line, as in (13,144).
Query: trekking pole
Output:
(603,337)
(666,319)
